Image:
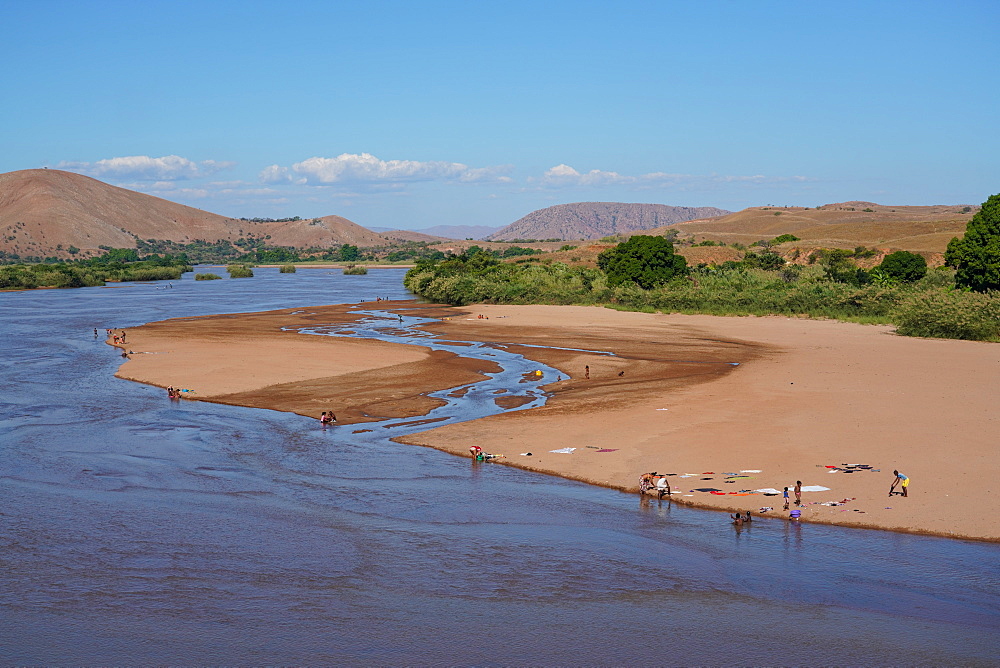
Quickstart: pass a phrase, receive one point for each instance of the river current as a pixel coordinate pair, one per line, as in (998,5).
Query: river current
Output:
(135,530)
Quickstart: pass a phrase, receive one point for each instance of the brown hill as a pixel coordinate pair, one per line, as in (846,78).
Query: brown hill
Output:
(924,229)
(593,220)
(43,212)
(459,246)
(411,235)
(586,255)
(319,232)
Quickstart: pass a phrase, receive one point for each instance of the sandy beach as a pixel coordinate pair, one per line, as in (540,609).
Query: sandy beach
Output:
(726,404)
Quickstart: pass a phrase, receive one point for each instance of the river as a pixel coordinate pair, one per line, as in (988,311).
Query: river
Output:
(135,530)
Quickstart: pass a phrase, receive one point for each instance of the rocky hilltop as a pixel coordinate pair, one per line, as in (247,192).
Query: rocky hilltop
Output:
(593,220)
(48,212)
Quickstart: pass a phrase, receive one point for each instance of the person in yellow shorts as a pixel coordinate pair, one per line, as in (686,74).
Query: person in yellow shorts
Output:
(901,480)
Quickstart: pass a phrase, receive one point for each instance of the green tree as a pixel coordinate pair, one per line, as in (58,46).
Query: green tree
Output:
(837,267)
(904,266)
(646,261)
(119,255)
(976,256)
(349,253)
(768,260)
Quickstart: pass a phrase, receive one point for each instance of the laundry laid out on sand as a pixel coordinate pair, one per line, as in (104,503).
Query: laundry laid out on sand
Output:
(770,491)
(658,484)
(753,403)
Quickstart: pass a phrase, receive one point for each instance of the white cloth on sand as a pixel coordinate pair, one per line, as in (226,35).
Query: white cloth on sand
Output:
(564,451)
(805,488)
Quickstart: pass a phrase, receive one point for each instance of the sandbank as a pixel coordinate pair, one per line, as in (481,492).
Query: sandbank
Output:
(778,399)
(260,360)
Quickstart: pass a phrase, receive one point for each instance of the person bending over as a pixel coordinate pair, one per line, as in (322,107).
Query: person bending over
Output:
(901,480)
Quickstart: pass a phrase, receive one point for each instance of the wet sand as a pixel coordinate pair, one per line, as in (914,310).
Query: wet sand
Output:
(806,395)
(250,360)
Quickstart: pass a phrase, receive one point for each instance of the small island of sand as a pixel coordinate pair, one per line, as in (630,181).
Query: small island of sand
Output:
(722,403)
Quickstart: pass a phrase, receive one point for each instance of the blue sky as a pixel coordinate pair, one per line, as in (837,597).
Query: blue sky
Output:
(412,114)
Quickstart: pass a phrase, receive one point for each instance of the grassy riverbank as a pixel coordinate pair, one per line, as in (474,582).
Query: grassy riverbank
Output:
(929,307)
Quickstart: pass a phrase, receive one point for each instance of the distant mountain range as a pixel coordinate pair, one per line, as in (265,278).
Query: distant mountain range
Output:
(593,220)
(48,212)
(45,212)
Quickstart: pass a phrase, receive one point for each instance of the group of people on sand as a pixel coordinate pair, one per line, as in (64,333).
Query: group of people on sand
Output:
(327,418)
(659,483)
(117,339)
(798,494)
(654,481)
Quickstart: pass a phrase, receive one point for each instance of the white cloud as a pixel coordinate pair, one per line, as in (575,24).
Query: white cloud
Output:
(564,176)
(210,190)
(366,169)
(146,168)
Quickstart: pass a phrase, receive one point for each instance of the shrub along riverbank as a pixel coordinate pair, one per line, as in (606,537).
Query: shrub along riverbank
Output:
(67,275)
(928,307)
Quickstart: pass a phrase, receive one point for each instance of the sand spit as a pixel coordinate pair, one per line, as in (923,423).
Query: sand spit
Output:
(250,359)
(805,396)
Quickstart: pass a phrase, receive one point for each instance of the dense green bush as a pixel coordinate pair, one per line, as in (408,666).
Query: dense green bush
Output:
(287,269)
(239,271)
(644,260)
(355,270)
(838,267)
(207,277)
(904,266)
(952,315)
(149,274)
(766,260)
(86,273)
